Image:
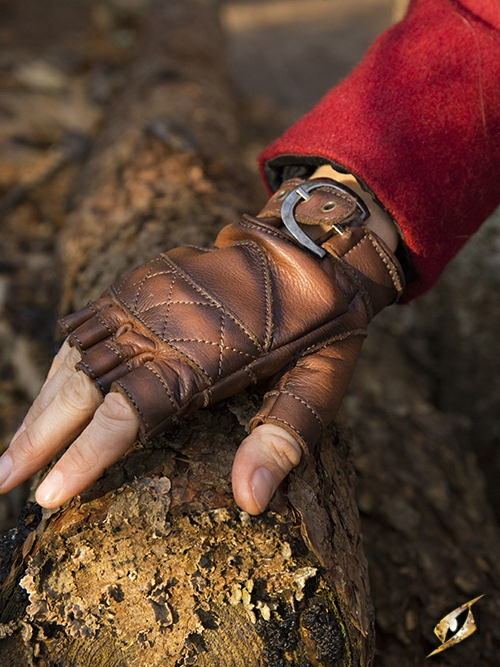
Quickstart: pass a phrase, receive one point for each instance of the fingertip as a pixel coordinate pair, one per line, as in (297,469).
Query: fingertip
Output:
(49,492)
(5,469)
(262,462)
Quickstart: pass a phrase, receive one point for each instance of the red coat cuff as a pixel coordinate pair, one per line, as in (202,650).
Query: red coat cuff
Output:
(418,122)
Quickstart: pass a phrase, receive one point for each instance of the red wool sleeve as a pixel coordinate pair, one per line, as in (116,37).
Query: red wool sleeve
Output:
(418,123)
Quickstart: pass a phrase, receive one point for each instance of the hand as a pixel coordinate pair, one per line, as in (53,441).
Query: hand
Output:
(71,409)
(256,306)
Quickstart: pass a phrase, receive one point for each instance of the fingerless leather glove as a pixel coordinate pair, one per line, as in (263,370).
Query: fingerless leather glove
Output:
(197,325)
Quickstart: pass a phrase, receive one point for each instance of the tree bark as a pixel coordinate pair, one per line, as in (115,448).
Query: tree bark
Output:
(155,565)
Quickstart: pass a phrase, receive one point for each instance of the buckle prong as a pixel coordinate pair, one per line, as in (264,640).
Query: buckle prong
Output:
(303,191)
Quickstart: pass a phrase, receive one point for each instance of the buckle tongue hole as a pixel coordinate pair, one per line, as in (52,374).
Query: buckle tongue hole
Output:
(329,206)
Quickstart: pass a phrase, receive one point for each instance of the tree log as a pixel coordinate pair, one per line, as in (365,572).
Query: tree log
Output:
(164,170)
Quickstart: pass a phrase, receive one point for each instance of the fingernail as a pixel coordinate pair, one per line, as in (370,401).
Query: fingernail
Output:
(5,468)
(50,489)
(263,487)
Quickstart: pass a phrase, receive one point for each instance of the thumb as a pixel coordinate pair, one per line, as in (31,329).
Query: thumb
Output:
(261,463)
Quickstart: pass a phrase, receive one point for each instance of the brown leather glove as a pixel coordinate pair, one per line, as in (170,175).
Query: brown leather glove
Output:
(194,326)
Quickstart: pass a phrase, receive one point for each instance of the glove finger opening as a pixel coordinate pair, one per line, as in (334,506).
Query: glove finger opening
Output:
(130,348)
(160,391)
(309,395)
(90,333)
(74,320)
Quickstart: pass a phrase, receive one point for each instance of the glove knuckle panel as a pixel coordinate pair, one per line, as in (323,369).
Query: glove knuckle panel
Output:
(246,294)
(90,333)
(100,359)
(179,379)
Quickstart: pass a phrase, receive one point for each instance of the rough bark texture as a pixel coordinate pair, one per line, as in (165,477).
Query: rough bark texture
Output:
(155,565)
(55,85)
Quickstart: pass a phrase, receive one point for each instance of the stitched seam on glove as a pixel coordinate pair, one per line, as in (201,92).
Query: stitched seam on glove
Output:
(139,284)
(105,324)
(168,390)
(300,438)
(252,375)
(345,268)
(118,353)
(190,361)
(348,271)
(80,365)
(383,256)
(255,379)
(131,399)
(396,281)
(73,339)
(169,306)
(216,303)
(246,221)
(196,367)
(68,330)
(207,393)
(165,342)
(210,342)
(335,339)
(174,303)
(286,392)
(268,337)
(221,345)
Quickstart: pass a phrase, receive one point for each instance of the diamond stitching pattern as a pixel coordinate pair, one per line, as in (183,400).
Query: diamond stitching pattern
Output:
(183,303)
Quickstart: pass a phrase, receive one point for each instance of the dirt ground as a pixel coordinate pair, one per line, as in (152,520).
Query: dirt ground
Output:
(290,53)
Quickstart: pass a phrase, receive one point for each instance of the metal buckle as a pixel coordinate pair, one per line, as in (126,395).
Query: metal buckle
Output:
(302,192)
